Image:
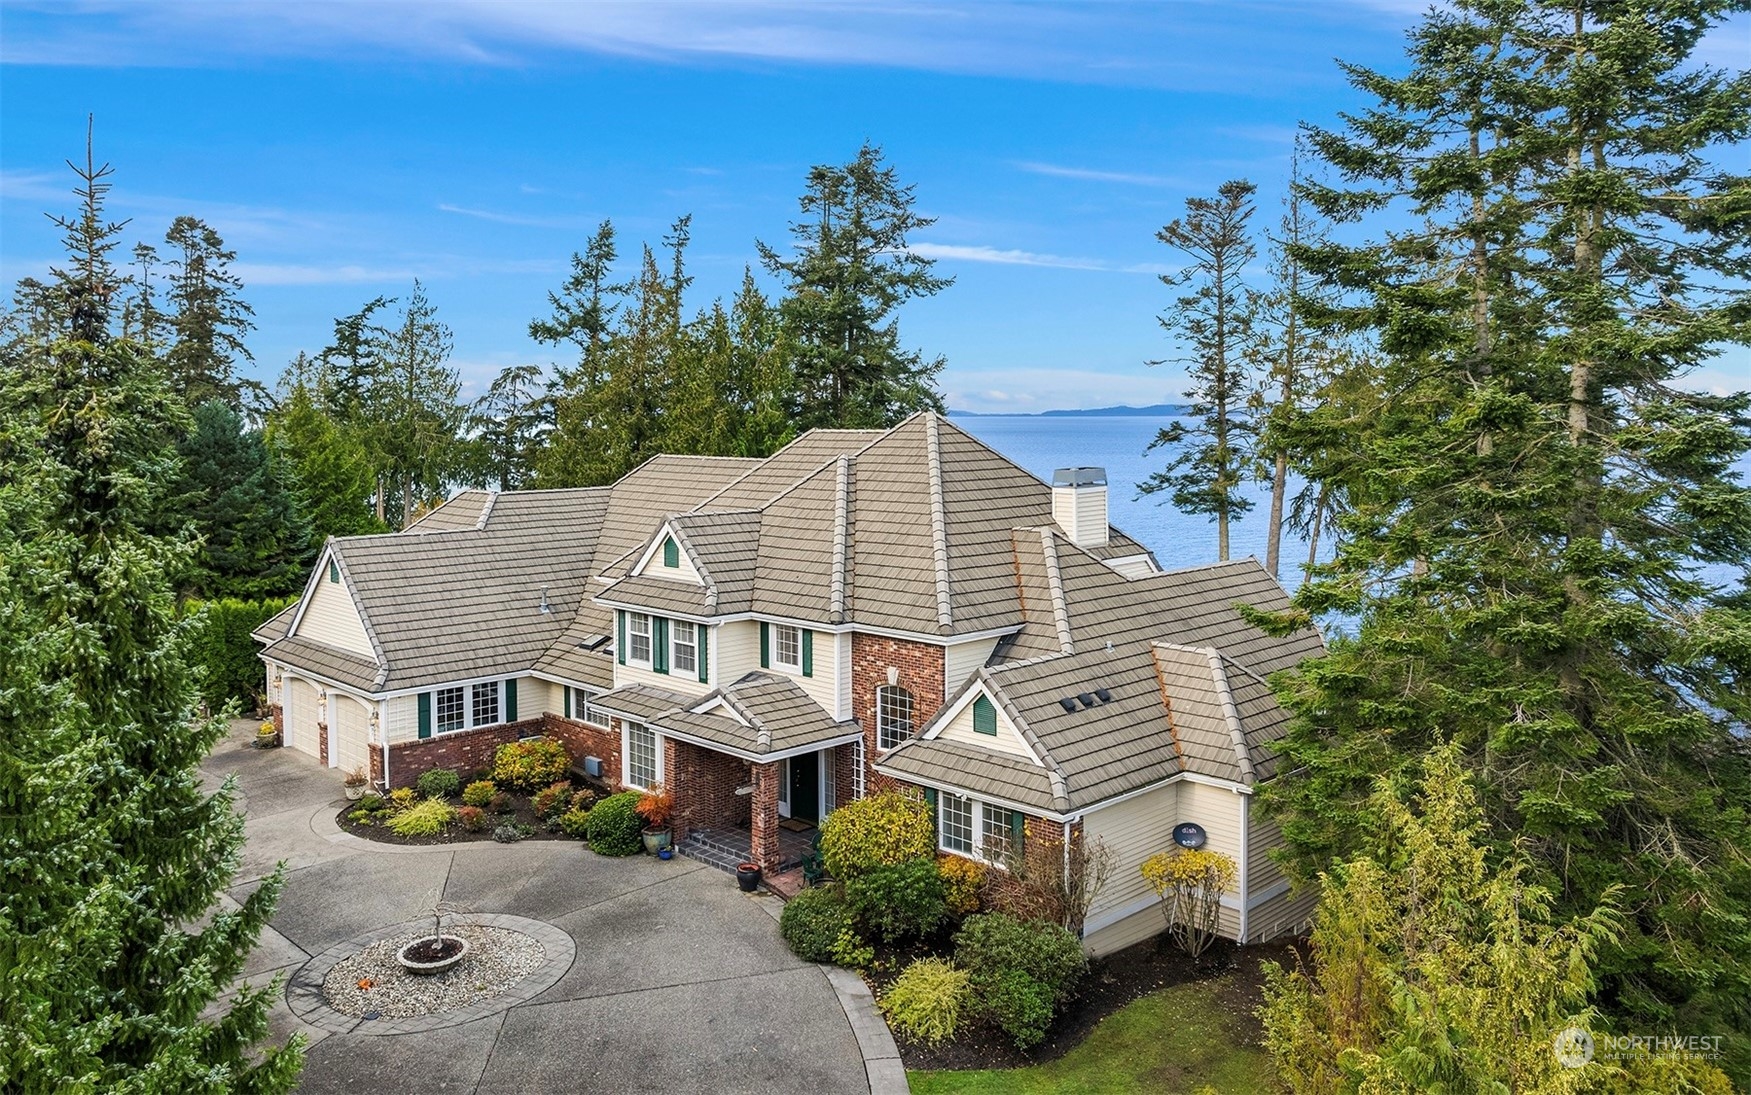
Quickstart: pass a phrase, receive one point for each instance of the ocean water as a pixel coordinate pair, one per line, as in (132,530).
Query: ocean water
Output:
(1044,444)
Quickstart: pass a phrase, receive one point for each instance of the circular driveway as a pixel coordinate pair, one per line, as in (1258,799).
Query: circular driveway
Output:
(678,983)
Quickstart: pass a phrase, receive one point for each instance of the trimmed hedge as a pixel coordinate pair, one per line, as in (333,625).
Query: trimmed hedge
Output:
(1022,971)
(614,827)
(927,1000)
(898,902)
(883,830)
(226,659)
(813,921)
(438,783)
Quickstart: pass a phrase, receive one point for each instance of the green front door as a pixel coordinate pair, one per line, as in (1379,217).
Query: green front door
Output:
(805,787)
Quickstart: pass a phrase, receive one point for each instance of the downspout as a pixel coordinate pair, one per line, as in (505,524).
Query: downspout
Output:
(1245,855)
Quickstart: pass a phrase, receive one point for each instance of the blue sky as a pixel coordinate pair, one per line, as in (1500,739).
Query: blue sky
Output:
(344,149)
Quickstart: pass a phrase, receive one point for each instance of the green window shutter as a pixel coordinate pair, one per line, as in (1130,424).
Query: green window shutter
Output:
(425,714)
(808,653)
(333,571)
(511,701)
(765,645)
(704,655)
(984,716)
(1017,830)
(671,553)
(930,800)
(659,644)
(620,643)
(568,701)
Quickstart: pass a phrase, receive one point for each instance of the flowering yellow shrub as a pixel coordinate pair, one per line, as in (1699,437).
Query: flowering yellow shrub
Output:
(882,830)
(1190,883)
(961,880)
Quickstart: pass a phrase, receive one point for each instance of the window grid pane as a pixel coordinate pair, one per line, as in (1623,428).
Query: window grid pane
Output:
(995,833)
(452,709)
(787,646)
(684,657)
(641,755)
(638,633)
(893,716)
(486,703)
(857,777)
(957,824)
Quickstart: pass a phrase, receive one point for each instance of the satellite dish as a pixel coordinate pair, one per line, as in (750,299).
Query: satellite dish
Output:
(1188,835)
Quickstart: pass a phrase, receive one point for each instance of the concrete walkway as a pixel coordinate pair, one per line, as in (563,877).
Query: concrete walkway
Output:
(679,983)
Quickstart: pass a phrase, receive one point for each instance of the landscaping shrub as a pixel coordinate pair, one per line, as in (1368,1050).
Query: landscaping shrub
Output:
(402,797)
(479,793)
(438,783)
(901,901)
(813,921)
(426,819)
(990,944)
(473,818)
(553,800)
(879,831)
(359,817)
(508,833)
(526,765)
(614,825)
(850,951)
(1020,1006)
(372,803)
(228,660)
(961,880)
(583,800)
(575,823)
(500,804)
(926,1002)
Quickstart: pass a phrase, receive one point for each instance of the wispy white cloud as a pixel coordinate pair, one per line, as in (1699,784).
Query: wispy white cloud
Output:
(956,252)
(519,219)
(1090,174)
(352,273)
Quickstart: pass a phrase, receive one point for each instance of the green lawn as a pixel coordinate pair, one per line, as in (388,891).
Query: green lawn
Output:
(1178,1040)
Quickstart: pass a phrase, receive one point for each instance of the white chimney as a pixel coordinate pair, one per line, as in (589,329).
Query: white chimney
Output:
(1079,504)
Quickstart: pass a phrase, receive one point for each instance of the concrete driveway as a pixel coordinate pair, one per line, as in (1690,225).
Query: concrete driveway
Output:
(679,982)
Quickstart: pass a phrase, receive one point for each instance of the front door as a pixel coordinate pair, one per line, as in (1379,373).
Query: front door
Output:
(805,787)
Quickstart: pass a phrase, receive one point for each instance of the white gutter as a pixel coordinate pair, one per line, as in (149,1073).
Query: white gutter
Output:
(1245,855)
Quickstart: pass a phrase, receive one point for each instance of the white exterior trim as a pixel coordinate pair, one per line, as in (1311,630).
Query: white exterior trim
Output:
(947,715)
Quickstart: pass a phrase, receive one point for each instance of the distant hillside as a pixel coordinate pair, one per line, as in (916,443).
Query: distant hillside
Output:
(1158,410)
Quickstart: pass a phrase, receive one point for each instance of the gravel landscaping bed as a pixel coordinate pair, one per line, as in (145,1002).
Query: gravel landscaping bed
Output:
(497,959)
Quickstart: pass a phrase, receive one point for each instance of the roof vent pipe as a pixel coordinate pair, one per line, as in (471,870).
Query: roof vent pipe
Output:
(1079,505)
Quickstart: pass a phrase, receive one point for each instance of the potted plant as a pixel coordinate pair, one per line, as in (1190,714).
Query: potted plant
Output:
(436,952)
(654,806)
(748,876)
(356,782)
(267,735)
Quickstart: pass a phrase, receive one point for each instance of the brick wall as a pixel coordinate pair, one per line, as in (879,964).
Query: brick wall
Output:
(583,739)
(322,741)
(763,821)
(704,785)
(921,669)
(466,752)
(277,716)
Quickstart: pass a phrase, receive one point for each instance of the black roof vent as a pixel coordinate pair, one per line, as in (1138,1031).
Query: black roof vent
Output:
(1105,696)
(1067,703)
(1087,700)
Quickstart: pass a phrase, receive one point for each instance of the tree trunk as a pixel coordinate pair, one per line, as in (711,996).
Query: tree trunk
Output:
(1274,534)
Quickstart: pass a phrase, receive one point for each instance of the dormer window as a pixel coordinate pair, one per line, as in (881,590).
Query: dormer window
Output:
(787,646)
(671,553)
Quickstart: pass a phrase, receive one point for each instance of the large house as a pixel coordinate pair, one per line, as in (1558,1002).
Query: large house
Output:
(770,638)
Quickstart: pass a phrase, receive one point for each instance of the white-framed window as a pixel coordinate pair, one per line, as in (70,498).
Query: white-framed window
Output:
(994,831)
(683,647)
(586,711)
(643,760)
(787,646)
(451,709)
(955,824)
(893,716)
(485,704)
(638,638)
(858,788)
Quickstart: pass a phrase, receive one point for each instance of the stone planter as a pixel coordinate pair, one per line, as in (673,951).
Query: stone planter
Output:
(450,950)
(355,791)
(748,877)
(655,840)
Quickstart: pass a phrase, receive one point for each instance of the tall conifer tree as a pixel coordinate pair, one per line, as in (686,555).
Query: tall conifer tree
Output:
(208,318)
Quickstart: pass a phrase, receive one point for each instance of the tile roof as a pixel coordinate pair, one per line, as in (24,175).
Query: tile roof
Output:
(339,666)
(772,715)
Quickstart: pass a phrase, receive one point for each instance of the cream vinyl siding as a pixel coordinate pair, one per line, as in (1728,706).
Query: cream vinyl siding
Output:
(842,676)
(1007,739)
(1282,913)
(682,571)
(1133,831)
(332,618)
(350,725)
(536,697)
(301,716)
(962,660)
(688,684)
(822,684)
(735,648)
(401,718)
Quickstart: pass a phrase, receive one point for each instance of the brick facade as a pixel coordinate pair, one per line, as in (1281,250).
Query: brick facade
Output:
(763,819)
(466,752)
(322,739)
(704,785)
(921,668)
(277,716)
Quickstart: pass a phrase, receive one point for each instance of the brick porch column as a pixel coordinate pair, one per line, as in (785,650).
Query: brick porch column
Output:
(675,781)
(763,819)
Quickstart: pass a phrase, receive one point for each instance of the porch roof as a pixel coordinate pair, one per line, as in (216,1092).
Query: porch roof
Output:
(640,701)
(758,716)
(983,772)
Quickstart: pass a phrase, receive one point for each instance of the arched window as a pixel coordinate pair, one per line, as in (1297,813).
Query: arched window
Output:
(893,716)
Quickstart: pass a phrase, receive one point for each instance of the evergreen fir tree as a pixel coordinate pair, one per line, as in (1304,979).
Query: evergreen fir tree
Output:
(849,271)
(506,427)
(412,407)
(208,319)
(109,847)
(1535,492)
(331,469)
(1215,323)
(239,494)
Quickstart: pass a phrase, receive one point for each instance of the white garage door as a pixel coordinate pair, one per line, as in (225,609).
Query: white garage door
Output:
(348,724)
(300,715)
